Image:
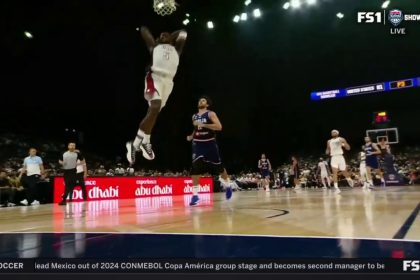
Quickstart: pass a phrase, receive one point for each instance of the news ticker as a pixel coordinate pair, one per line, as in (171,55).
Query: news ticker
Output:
(209,266)
(366,89)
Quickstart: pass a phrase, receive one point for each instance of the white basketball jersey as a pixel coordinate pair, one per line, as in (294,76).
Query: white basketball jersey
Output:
(323,167)
(335,147)
(165,60)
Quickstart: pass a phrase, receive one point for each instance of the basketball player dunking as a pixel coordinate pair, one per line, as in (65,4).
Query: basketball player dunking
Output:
(165,53)
(372,152)
(335,149)
(205,152)
(265,168)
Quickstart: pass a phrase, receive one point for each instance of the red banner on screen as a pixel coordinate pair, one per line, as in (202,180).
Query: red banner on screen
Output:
(99,188)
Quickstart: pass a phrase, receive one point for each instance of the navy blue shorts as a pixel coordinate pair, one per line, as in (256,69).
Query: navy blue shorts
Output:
(372,162)
(206,158)
(265,173)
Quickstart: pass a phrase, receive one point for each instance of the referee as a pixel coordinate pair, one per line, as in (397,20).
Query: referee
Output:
(34,169)
(69,163)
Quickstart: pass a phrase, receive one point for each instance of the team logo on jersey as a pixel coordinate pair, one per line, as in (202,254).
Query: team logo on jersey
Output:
(391,177)
(395,17)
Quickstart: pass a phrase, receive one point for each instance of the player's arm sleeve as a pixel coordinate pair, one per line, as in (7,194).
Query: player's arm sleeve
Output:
(148,38)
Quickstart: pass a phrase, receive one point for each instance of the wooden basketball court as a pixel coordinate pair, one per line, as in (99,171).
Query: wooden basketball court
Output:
(387,213)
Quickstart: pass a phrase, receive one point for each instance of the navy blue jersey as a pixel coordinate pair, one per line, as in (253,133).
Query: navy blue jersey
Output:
(203,134)
(264,165)
(371,159)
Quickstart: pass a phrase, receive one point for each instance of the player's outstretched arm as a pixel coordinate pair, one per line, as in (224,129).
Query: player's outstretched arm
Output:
(148,38)
(327,150)
(179,37)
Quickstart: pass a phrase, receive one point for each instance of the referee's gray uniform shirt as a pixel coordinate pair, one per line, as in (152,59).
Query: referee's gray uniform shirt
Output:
(70,160)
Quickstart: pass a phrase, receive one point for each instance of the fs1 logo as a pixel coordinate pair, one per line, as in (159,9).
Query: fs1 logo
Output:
(369,17)
(411,265)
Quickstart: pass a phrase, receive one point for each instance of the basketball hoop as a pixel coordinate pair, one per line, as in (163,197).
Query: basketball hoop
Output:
(164,7)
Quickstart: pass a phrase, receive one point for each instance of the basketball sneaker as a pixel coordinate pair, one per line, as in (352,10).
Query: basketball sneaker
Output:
(147,151)
(131,152)
(194,200)
(24,202)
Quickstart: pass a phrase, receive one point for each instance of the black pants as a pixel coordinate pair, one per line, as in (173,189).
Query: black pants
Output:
(30,184)
(4,195)
(70,180)
(80,181)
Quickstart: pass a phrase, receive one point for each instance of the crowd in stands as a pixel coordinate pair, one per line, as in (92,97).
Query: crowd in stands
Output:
(406,162)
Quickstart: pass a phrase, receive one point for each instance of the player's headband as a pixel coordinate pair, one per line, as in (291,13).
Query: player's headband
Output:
(335,131)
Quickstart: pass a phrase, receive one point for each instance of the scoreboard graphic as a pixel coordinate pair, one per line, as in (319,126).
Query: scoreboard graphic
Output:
(366,89)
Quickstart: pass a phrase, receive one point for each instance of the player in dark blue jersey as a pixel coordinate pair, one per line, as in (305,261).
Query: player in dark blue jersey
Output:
(372,152)
(265,168)
(205,152)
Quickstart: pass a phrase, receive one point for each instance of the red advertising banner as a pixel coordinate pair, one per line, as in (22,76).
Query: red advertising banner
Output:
(99,188)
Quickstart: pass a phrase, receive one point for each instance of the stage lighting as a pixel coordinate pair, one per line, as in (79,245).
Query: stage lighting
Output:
(385,4)
(257,13)
(28,35)
(210,25)
(295,4)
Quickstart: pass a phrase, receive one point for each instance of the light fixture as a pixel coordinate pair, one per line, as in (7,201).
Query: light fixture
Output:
(257,13)
(340,15)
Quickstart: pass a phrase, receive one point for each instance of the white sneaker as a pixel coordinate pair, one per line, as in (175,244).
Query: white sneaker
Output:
(24,202)
(337,190)
(147,151)
(131,153)
(35,202)
(9,204)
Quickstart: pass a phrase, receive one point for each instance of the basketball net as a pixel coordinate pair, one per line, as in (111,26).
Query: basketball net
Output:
(164,7)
